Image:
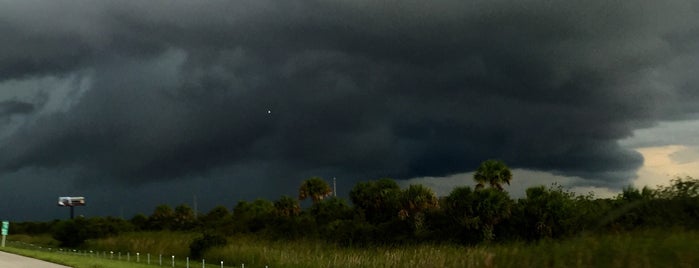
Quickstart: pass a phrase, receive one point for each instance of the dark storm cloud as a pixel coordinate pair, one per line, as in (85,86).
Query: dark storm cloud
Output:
(361,88)
(15,107)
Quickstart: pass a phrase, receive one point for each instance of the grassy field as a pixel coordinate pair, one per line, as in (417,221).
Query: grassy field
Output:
(651,248)
(639,249)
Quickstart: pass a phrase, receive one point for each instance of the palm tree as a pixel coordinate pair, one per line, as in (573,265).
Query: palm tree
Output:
(418,198)
(494,173)
(415,201)
(315,188)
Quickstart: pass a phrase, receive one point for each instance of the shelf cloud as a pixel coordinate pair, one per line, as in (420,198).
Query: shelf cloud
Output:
(154,91)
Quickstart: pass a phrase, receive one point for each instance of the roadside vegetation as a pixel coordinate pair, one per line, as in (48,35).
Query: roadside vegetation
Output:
(384,225)
(639,248)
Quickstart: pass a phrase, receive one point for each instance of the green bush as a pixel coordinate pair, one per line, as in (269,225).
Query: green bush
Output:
(207,241)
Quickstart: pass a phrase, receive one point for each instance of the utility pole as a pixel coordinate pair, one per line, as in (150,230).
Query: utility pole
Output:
(334,187)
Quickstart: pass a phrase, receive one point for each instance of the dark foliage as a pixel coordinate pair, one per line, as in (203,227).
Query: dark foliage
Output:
(206,241)
(72,233)
(383,214)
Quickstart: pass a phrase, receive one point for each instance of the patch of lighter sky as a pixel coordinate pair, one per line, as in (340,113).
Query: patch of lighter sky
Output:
(669,149)
(48,94)
(521,180)
(66,92)
(663,163)
(19,90)
(51,92)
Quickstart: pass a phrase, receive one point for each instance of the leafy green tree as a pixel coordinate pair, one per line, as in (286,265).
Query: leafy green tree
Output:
(217,213)
(459,213)
(548,213)
(329,210)
(378,201)
(140,222)
(478,210)
(252,216)
(631,193)
(287,206)
(183,217)
(686,187)
(494,173)
(674,205)
(315,188)
(162,218)
(683,194)
(460,206)
(72,233)
(218,219)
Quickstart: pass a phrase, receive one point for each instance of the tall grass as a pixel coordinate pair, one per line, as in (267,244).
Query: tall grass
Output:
(318,254)
(162,242)
(655,248)
(648,248)
(41,239)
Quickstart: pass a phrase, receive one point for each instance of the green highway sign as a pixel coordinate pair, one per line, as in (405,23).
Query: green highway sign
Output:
(5,227)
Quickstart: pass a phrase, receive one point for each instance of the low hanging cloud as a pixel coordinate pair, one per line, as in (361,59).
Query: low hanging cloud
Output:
(175,89)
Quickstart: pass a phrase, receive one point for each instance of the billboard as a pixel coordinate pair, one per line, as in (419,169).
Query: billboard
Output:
(67,201)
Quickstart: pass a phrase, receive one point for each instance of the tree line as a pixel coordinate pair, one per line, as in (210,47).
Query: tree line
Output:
(380,212)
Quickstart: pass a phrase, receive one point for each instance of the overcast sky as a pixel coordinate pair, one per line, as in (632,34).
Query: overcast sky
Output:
(137,103)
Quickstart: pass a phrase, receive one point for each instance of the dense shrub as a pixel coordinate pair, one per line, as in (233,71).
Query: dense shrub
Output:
(206,241)
(73,233)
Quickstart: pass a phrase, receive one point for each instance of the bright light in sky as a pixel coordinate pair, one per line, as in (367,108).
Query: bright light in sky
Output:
(665,163)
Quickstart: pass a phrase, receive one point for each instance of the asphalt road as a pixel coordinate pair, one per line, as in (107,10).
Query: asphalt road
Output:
(15,261)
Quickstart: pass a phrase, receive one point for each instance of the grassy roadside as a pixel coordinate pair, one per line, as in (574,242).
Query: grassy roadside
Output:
(72,260)
(81,261)
(649,248)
